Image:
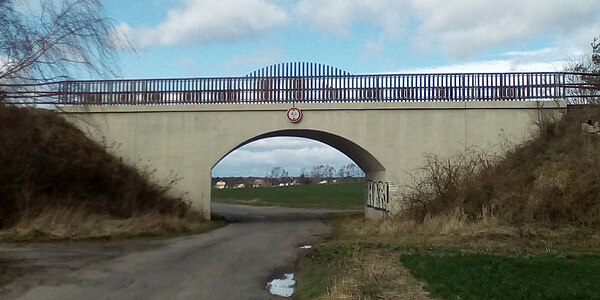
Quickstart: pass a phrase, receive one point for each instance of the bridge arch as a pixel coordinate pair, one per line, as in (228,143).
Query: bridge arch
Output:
(384,123)
(362,157)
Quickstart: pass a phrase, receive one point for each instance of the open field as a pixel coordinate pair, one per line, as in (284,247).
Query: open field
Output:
(338,195)
(446,259)
(485,276)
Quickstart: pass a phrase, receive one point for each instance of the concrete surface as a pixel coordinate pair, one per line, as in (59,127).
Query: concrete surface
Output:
(388,140)
(234,262)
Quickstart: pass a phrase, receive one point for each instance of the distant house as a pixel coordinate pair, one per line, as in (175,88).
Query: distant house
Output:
(289,183)
(258,183)
(220,185)
(239,186)
(323,182)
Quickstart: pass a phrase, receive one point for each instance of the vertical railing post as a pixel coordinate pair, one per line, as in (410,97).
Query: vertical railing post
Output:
(314,83)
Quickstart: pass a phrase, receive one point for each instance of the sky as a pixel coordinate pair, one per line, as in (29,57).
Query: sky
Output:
(214,38)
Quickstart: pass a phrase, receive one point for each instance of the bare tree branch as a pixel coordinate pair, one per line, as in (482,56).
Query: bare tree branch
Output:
(65,39)
(589,68)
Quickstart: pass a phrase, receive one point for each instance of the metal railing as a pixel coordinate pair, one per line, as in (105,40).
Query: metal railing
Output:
(312,89)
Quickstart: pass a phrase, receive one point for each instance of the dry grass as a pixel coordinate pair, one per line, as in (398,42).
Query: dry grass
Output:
(552,180)
(541,198)
(6,274)
(78,224)
(456,231)
(362,258)
(455,223)
(375,274)
(54,181)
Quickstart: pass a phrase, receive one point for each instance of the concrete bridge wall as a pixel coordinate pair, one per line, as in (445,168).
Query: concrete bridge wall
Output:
(387,140)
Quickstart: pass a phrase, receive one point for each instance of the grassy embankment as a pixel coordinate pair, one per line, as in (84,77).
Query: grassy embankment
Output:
(55,183)
(523,225)
(5,275)
(337,195)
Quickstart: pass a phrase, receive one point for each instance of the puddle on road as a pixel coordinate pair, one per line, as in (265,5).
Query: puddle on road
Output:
(282,287)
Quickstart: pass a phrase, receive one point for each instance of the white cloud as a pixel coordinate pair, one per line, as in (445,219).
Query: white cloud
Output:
(340,15)
(205,21)
(121,36)
(532,53)
(292,154)
(462,28)
(492,66)
(458,28)
(373,47)
(5,63)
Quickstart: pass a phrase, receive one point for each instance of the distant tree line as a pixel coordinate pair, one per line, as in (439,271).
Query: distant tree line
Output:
(317,173)
(278,175)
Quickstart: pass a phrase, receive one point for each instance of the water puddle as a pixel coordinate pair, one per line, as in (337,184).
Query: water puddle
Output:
(282,287)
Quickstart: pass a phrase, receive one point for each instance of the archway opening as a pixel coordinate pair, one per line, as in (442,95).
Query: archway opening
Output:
(295,168)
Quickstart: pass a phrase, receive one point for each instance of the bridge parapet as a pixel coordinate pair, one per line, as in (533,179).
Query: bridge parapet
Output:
(289,88)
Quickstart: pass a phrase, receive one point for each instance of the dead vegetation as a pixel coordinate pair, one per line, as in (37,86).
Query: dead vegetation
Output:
(552,180)
(541,198)
(55,182)
(375,274)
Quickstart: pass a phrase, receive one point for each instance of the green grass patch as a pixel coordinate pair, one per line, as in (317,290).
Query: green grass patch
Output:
(480,276)
(471,263)
(318,269)
(339,195)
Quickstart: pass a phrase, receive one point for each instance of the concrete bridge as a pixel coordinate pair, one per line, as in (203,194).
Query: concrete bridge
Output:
(384,123)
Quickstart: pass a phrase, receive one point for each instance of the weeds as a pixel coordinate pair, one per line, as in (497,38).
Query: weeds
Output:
(552,179)
(480,226)
(78,224)
(362,259)
(51,173)
(375,274)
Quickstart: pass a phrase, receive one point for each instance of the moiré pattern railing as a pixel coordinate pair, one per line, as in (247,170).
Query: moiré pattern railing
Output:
(303,84)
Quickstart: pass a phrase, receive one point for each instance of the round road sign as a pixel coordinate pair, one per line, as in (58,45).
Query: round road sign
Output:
(294,114)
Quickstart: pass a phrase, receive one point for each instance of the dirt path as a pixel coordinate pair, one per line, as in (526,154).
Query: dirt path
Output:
(233,262)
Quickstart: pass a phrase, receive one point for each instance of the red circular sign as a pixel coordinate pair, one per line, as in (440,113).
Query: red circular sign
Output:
(294,114)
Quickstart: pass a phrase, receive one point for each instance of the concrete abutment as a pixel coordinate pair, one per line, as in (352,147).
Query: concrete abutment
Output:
(388,140)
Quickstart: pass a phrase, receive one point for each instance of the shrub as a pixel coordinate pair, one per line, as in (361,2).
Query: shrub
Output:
(552,178)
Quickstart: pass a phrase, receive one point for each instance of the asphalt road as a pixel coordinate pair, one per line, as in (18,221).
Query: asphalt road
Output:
(234,262)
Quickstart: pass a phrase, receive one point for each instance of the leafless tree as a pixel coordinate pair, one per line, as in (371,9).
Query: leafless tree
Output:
(588,78)
(59,39)
(278,173)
